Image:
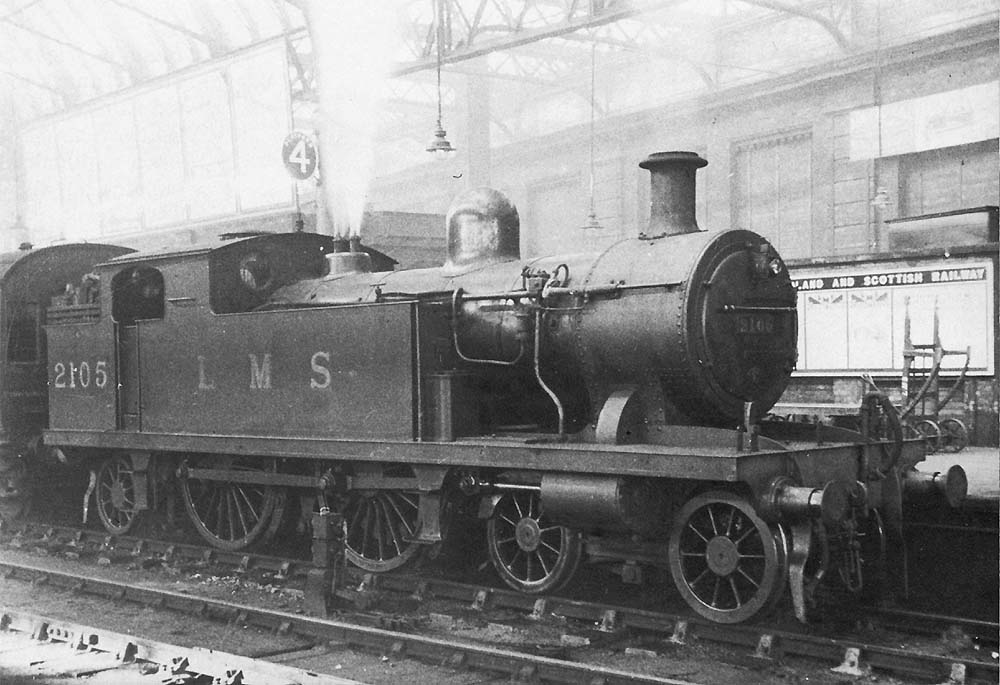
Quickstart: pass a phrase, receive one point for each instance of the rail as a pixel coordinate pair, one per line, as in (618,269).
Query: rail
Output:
(459,653)
(764,642)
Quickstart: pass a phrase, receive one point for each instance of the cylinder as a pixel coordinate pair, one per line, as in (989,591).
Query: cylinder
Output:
(602,503)
(672,192)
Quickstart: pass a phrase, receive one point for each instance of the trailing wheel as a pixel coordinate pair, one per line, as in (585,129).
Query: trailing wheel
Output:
(727,563)
(115,495)
(530,553)
(382,527)
(15,486)
(229,515)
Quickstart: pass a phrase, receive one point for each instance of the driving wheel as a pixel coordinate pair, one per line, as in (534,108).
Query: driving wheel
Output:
(530,553)
(727,563)
(382,527)
(230,515)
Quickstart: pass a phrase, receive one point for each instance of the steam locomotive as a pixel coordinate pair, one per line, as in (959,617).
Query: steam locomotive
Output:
(605,405)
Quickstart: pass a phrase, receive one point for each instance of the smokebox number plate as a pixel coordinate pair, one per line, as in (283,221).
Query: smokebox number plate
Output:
(755,324)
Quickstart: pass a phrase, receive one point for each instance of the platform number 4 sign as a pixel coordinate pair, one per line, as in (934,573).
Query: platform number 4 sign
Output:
(300,155)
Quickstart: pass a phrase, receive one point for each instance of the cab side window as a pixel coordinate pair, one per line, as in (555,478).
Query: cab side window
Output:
(137,293)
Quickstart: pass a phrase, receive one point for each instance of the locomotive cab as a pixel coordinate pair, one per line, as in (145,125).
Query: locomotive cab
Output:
(51,285)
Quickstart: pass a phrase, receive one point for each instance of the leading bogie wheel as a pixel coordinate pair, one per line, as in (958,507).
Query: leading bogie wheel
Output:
(530,553)
(727,563)
(954,436)
(229,515)
(382,527)
(115,495)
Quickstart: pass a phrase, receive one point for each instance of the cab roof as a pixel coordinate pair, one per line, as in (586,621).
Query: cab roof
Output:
(324,243)
(44,258)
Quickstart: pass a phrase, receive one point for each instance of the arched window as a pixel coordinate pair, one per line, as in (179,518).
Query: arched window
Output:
(137,293)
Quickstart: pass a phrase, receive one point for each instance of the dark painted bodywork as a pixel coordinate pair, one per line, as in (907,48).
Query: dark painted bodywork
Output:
(223,372)
(30,282)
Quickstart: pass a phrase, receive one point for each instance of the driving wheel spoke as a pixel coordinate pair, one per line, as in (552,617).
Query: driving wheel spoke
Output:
(382,528)
(230,516)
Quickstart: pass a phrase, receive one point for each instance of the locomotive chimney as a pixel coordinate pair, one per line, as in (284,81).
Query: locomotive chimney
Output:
(671,195)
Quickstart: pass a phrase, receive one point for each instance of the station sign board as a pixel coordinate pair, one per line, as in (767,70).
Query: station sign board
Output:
(852,317)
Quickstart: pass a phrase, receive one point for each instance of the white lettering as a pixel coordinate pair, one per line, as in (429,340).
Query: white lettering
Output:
(324,378)
(70,375)
(60,379)
(84,375)
(948,275)
(260,374)
(101,374)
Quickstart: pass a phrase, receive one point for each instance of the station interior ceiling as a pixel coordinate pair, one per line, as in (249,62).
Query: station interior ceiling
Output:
(58,54)
(118,117)
(550,64)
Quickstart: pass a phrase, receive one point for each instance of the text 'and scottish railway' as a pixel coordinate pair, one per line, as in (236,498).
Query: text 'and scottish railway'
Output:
(877,280)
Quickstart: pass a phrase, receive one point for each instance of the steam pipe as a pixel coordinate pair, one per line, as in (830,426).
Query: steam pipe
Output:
(541,382)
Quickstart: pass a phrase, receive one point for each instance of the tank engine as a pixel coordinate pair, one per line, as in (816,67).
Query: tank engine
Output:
(604,405)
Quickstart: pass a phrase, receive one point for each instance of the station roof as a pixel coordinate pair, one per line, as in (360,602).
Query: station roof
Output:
(56,55)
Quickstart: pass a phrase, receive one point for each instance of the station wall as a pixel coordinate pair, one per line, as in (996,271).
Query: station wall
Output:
(793,160)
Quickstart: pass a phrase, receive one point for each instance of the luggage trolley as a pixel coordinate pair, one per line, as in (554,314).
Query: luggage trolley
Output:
(921,392)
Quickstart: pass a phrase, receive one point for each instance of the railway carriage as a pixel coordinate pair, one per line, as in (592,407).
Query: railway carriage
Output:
(602,405)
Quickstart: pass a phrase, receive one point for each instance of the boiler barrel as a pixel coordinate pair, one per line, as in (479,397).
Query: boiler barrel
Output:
(712,315)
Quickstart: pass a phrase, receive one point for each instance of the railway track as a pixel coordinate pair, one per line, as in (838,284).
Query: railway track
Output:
(761,643)
(397,643)
(39,648)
